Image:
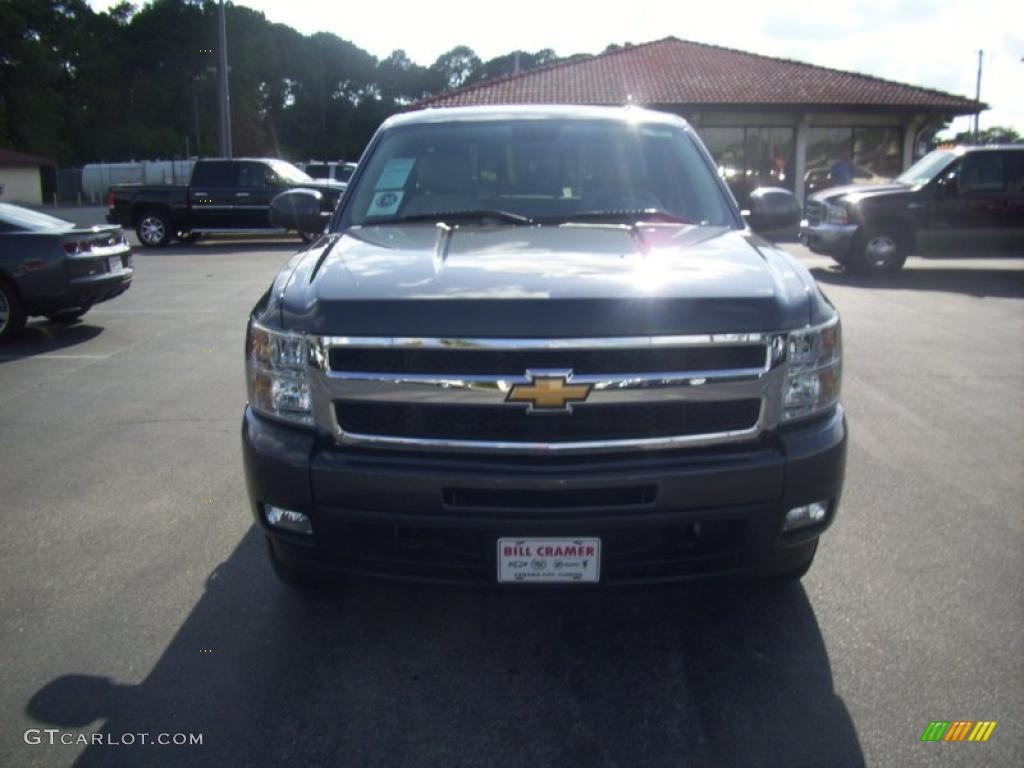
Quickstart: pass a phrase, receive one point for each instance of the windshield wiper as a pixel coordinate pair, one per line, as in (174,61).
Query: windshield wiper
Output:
(640,214)
(481,214)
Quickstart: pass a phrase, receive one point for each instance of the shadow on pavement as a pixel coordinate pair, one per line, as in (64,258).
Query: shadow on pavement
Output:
(41,337)
(973,281)
(380,675)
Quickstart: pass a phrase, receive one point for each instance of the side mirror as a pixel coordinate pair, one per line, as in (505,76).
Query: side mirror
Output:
(300,210)
(773,211)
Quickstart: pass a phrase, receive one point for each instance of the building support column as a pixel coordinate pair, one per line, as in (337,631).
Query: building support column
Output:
(910,130)
(800,160)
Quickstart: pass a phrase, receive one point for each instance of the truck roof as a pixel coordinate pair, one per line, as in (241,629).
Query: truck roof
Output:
(961,148)
(242,159)
(627,113)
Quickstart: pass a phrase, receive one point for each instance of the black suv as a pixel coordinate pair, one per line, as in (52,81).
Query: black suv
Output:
(966,200)
(540,345)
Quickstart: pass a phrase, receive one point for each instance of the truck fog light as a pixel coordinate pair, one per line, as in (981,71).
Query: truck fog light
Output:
(802,517)
(287,519)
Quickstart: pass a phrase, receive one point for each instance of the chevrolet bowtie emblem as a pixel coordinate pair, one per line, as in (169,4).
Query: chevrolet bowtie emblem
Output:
(548,392)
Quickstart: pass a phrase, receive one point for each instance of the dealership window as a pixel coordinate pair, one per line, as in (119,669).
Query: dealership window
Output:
(837,156)
(747,158)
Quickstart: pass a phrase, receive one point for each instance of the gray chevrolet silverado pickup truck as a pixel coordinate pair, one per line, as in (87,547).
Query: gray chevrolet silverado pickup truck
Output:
(541,346)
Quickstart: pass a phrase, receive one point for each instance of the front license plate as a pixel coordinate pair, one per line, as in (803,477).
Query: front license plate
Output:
(549,561)
(115,263)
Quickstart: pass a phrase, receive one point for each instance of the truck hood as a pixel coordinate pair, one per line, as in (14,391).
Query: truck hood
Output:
(860,190)
(544,281)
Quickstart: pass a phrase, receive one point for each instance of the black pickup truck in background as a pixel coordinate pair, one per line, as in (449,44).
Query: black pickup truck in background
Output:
(224,196)
(963,200)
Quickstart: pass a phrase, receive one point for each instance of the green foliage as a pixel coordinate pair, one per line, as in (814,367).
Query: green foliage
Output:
(138,82)
(456,66)
(997,134)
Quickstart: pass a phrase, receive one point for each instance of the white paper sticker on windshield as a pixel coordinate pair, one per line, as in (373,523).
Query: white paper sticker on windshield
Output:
(395,172)
(385,203)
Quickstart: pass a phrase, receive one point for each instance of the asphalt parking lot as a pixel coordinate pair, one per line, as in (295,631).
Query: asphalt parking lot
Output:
(136,596)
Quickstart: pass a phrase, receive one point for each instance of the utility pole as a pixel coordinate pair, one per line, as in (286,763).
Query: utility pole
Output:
(977,97)
(225,97)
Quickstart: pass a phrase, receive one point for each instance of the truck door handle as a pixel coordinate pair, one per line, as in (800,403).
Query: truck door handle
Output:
(241,194)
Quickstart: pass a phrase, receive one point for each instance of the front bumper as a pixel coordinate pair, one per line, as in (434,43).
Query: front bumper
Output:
(830,239)
(437,518)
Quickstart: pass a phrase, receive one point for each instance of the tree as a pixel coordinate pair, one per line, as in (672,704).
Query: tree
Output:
(997,134)
(456,66)
(139,81)
(400,80)
(508,64)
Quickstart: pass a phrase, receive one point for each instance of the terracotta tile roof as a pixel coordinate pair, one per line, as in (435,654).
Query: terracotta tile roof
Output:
(673,71)
(9,158)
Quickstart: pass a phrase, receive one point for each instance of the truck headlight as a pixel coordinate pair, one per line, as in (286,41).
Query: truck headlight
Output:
(278,381)
(836,214)
(813,370)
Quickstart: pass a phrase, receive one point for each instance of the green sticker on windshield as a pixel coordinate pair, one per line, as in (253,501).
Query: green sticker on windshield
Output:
(395,172)
(385,203)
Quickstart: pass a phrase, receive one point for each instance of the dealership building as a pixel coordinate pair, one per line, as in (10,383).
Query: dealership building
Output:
(766,121)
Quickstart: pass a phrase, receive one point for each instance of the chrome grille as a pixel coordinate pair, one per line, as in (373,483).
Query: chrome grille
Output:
(512,362)
(453,394)
(615,421)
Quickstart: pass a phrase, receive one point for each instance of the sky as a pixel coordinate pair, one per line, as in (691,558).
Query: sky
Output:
(931,43)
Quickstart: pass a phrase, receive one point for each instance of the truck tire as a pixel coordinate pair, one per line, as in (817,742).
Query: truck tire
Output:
(154,228)
(880,250)
(12,312)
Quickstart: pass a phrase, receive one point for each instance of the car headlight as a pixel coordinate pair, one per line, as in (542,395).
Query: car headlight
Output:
(813,370)
(278,380)
(836,214)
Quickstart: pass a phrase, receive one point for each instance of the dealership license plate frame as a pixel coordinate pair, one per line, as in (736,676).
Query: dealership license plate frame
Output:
(533,561)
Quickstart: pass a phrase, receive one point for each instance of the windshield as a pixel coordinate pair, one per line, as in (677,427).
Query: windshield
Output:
(927,168)
(539,170)
(289,172)
(23,218)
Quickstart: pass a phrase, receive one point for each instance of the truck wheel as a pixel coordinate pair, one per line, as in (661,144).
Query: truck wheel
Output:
(880,251)
(294,576)
(12,313)
(154,229)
